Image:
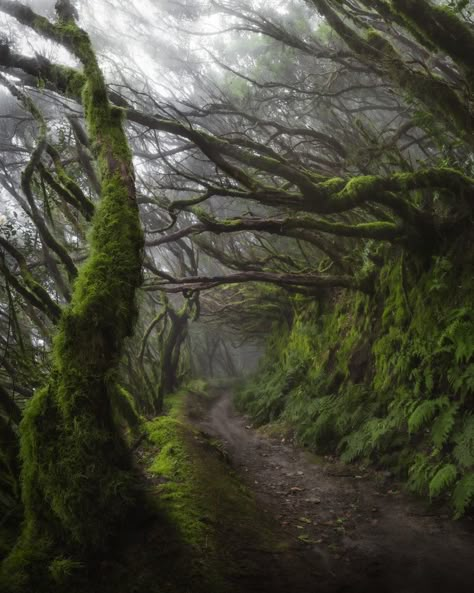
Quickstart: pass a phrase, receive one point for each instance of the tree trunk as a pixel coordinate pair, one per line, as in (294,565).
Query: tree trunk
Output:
(76,484)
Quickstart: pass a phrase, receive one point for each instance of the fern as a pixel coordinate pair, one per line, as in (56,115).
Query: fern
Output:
(462,381)
(421,473)
(457,336)
(61,569)
(319,429)
(425,412)
(464,450)
(463,495)
(443,425)
(369,438)
(443,479)
(397,409)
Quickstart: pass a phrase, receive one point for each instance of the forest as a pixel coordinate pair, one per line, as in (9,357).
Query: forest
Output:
(236,296)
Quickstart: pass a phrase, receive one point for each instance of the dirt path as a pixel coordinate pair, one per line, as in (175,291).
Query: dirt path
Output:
(347,531)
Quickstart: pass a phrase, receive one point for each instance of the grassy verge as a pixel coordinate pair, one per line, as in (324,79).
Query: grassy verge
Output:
(202,531)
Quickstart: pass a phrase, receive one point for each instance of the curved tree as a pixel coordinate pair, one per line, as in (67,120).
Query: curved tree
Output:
(75,476)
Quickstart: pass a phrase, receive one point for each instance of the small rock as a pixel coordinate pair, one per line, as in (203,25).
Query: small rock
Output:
(295,490)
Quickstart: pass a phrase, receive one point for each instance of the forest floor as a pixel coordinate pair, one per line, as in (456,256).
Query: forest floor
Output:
(231,509)
(347,529)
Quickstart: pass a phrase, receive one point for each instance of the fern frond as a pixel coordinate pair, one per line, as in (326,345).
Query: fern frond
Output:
(443,425)
(458,334)
(464,450)
(463,495)
(443,479)
(462,380)
(425,412)
(421,473)
(355,444)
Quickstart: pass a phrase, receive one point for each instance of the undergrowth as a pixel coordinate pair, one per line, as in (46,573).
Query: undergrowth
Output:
(386,379)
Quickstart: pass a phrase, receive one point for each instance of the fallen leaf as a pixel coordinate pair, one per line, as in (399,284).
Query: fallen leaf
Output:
(307,540)
(304,519)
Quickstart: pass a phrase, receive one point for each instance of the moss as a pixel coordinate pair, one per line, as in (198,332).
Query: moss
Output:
(333,185)
(179,493)
(359,189)
(197,493)
(125,413)
(435,177)
(72,82)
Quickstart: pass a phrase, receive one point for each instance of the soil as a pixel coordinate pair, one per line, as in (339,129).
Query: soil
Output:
(346,529)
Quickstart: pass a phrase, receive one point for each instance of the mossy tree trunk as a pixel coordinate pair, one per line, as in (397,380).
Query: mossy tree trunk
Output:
(438,27)
(76,484)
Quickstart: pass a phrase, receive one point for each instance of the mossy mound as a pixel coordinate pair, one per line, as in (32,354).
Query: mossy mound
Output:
(200,529)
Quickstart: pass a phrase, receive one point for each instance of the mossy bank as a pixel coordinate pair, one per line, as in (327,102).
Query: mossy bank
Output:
(385,379)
